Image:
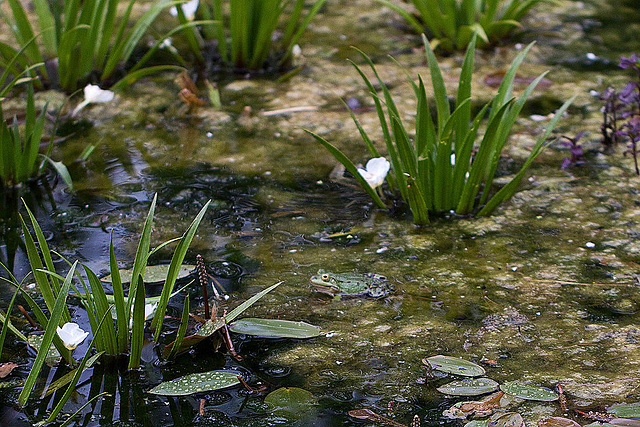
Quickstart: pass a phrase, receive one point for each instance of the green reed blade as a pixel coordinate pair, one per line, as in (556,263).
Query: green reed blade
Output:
(78,372)
(479,165)
(505,127)
(437,82)
(230,317)
(102,306)
(290,42)
(174,267)
(463,158)
(42,319)
(23,31)
(191,35)
(46,253)
(137,328)
(122,321)
(50,332)
(349,166)
(508,190)
(464,93)
(182,329)
(6,323)
(142,254)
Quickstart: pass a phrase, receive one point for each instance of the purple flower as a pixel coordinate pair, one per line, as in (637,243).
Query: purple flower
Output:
(632,62)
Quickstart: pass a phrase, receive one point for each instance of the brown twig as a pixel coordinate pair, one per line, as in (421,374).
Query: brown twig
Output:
(227,340)
(26,315)
(250,389)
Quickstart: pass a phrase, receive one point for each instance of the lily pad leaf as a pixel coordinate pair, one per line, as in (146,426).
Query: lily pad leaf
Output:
(557,422)
(472,387)
(274,328)
(631,410)
(194,383)
(154,274)
(528,392)
(53,356)
(477,423)
(289,401)
(454,365)
(506,419)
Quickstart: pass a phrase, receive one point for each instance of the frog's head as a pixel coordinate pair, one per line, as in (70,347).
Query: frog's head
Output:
(322,278)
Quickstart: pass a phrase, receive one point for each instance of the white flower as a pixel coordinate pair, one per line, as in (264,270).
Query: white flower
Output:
(93,95)
(189,9)
(375,171)
(71,335)
(150,310)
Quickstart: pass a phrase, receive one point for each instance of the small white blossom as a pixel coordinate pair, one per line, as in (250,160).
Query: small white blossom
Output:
(150,310)
(189,9)
(71,335)
(375,171)
(93,95)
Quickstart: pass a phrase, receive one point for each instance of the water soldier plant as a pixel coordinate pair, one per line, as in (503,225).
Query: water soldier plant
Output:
(440,168)
(245,31)
(451,24)
(77,39)
(20,158)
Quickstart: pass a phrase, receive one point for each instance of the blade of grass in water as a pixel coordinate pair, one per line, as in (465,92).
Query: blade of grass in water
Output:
(50,332)
(174,267)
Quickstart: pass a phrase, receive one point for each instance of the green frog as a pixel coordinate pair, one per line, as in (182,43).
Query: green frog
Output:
(352,284)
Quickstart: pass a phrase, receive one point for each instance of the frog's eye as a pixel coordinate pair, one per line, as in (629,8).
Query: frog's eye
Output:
(325,277)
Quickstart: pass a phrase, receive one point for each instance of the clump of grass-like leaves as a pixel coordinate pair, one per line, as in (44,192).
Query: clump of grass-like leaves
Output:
(20,158)
(452,23)
(245,30)
(77,38)
(442,167)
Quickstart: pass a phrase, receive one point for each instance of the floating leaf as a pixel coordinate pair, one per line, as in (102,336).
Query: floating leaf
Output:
(625,422)
(528,392)
(477,423)
(630,410)
(507,419)
(274,328)
(474,387)
(557,422)
(290,401)
(194,383)
(53,356)
(154,274)
(599,424)
(454,365)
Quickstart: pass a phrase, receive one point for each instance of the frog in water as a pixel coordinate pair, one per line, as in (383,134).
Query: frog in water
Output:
(352,284)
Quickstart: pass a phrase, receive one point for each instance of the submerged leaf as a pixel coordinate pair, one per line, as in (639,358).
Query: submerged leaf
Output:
(629,410)
(194,383)
(472,387)
(53,356)
(274,328)
(290,401)
(454,365)
(154,273)
(557,422)
(508,419)
(529,392)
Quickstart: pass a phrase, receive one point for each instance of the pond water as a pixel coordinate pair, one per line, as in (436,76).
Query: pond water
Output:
(547,287)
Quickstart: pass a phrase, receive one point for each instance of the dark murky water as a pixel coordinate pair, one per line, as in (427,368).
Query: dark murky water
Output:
(547,286)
